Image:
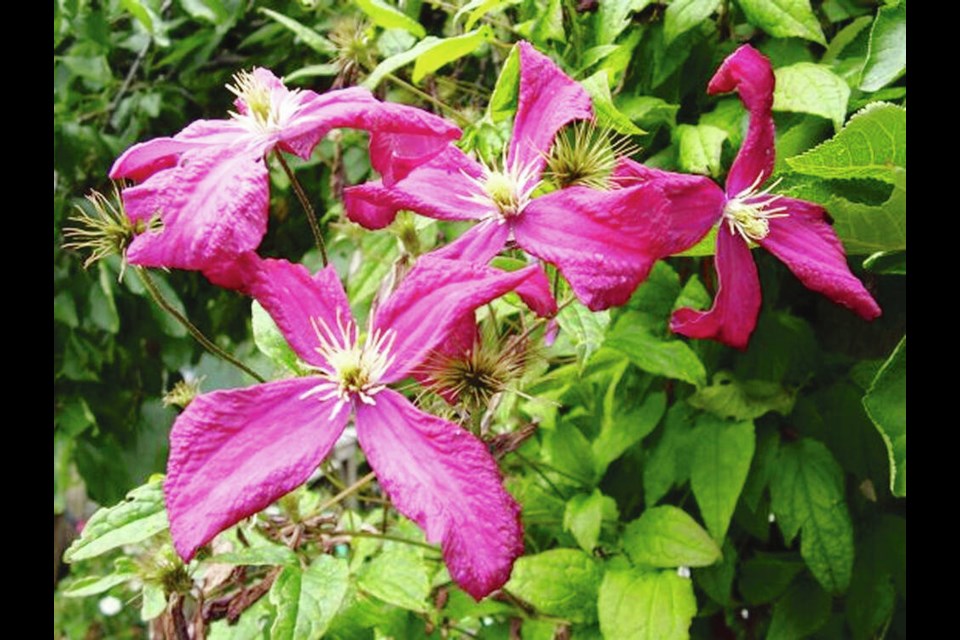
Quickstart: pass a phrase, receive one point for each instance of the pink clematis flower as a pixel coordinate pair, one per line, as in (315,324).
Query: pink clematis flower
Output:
(604,243)
(746,214)
(209,184)
(234,452)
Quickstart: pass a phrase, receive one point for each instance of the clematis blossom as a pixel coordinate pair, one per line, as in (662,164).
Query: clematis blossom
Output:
(234,452)
(747,214)
(209,185)
(604,243)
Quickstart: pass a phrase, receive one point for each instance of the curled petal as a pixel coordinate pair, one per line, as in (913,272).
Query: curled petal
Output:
(313,115)
(435,296)
(812,251)
(444,479)
(547,100)
(438,189)
(295,299)
(733,316)
(234,452)
(748,72)
(212,205)
(403,138)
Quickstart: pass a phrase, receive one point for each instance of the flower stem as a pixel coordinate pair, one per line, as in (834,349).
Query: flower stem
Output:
(204,341)
(385,536)
(307,207)
(356,486)
(429,98)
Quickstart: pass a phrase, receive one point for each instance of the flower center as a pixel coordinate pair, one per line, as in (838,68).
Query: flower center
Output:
(264,110)
(508,190)
(750,211)
(585,154)
(355,365)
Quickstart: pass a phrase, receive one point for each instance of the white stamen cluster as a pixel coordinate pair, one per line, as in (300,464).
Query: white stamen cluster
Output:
(749,212)
(267,110)
(508,190)
(354,367)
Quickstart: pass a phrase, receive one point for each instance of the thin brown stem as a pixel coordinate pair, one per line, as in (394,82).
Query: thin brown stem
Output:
(198,335)
(385,536)
(356,486)
(307,207)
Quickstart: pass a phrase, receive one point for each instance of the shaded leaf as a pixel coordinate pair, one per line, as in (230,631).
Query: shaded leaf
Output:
(612,18)
(803,609)
(683,15)
(721,461)
(728,397)
(886,404)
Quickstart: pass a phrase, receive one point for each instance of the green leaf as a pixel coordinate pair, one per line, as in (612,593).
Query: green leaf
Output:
(666,536)
(728,397)
(613,18)
(806,87)
(598,86)
(480,8)
(92,585)
(212,11)
(307,600)
(649,112)
(549,25)
(766,576)
(784,18)
(887,49)
(154,601)
(568,450)
(398,576)
(445,50)
(866,229)
(503,99)
(717,580)
(584,515)
(622,428)
(800,612)
(559,582)
(721,461)
(887,263)
(140,12)
(309,37)
(886,404)
(65,310)
(312,71)
(389,17)
(806,492)
(683,15)
(269,339)
(584,328)
(135,519)
(700,147)
(646,605)
(669,462)
(844,38)
(873,144)
(670,358)
(264,554)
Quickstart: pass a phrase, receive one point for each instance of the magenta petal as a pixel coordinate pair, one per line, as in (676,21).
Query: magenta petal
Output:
(444,479)
(234,452)
(433,299)
(480,243)
(548,99)
(313,115)
(295,300)
(213,206)
(403,138)
(438,189)
(812,251)
(733,316)
(748,72)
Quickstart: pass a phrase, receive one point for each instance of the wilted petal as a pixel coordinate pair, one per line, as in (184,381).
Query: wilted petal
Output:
(434,298)
(733,316)
(236,451)
(213,206)
(444,479)
(295,299)
(547,100)
(748,72)
(812,251)
(438,189)
(479,243)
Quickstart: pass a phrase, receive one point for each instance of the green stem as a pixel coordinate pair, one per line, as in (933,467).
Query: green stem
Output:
(385,536)
(429,98)
(307,207)
(540,473)
(204,341)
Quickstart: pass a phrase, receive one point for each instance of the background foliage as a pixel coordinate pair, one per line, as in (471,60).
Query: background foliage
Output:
(670,488)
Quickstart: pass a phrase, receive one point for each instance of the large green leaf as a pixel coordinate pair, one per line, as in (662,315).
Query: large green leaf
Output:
(583,517)
(867,229)
(666,536)
(811,88)
(646,605)
(398,576)
(700,147)
(309,37)
(806,492)
(503,99)
(445,50)
(669,463)
(873,144)
(135,519)
(584,328)
(764,577)
(803,609)
(683,15)
(559,582)
(784,18)
(887,50)
(670,358)
(307,599)
(729,397)
(721,461)
(622,428)
(598,86)
(389,17)
(612,18)
(886,404)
